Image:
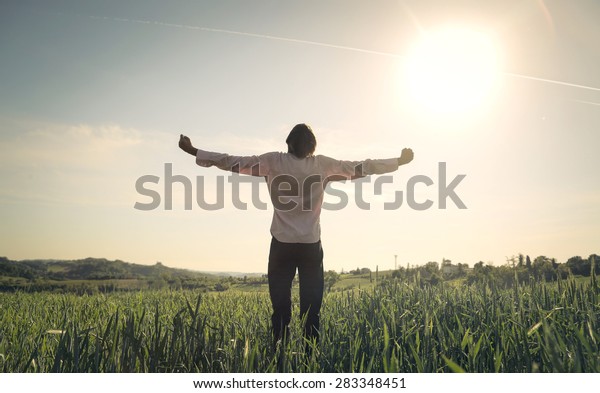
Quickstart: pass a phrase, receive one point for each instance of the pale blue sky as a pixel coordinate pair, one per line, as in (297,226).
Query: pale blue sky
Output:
(94,94)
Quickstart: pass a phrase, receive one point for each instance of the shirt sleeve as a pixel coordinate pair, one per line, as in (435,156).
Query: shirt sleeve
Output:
(246,165)
(348,169)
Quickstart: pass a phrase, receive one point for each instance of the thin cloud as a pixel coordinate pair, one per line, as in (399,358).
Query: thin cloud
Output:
(70,164)
(106,136)
(48,147)
(58,145)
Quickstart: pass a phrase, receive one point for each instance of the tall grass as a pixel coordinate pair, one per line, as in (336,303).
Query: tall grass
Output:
(395,327)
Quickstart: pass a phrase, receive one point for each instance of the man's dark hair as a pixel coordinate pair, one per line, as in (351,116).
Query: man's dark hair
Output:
(301,141)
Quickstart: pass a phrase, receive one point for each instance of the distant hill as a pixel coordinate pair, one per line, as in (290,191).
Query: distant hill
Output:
(99,274)
(88,269)
(234,274)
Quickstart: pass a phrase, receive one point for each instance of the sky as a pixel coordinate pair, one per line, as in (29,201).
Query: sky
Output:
(94,96)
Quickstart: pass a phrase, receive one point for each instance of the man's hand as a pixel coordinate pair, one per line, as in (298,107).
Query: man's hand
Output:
(185,144)
(406,157)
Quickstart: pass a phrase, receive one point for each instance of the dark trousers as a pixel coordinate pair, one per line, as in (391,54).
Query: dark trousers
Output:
(284,259)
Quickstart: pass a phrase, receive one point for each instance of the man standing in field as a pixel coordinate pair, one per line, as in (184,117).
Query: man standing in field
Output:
(296,181)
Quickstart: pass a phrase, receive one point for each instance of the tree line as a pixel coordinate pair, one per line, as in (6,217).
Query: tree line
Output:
(518,268)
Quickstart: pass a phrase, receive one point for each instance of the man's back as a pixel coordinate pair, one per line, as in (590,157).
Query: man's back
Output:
(296,185)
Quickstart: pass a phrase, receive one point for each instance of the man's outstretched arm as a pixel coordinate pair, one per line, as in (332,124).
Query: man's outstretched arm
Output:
(247,165)
(350,170)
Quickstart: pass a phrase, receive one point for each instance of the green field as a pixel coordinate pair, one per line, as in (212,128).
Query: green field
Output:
(394,326)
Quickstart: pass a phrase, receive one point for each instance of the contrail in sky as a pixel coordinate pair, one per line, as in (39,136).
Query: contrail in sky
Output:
(264,36)
(316,43)
(551,81)
(588,102)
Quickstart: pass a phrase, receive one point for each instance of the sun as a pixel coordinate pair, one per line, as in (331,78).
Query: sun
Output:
(451,71)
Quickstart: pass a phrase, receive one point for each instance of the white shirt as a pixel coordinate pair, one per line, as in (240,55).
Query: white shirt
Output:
(296,185)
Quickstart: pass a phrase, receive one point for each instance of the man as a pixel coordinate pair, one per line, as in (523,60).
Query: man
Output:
(296,181)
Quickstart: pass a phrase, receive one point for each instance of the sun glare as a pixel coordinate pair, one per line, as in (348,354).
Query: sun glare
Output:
(452,71)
